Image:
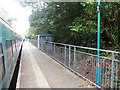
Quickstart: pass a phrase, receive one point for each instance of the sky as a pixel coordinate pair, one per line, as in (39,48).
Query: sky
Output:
(15,10)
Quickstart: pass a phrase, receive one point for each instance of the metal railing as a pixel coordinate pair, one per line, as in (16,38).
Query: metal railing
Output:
(33,41)
(82,60)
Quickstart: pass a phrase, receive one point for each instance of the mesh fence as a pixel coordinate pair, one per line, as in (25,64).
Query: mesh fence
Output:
(83,61)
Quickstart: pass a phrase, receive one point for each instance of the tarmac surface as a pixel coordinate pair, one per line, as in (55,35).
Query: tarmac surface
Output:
(38,70)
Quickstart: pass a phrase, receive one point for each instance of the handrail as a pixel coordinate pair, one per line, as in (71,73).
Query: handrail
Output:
(109,51)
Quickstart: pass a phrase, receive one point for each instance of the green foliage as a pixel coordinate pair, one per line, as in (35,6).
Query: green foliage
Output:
(76,23)
(31,33)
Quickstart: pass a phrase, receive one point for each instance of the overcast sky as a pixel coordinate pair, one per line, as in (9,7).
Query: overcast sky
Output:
(16,11)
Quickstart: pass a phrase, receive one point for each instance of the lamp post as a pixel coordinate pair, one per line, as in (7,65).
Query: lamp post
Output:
(98,69)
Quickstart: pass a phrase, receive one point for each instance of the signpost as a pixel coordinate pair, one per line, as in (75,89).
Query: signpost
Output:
(98,74)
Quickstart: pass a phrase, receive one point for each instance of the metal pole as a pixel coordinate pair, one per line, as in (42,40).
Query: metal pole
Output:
(69,55)
(98,74)
(112,71)
(54,49)
(46,46)
(74,57)
(65,55)
(38,42)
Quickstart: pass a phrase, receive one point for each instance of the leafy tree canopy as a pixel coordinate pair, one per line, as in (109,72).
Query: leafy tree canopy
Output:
(76,23)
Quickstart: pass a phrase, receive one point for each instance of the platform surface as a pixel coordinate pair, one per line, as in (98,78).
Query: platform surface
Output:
(38,70)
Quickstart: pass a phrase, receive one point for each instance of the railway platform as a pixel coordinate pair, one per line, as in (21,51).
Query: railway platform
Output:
(38,70)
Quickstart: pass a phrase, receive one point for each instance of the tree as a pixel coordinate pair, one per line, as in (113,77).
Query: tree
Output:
(76,23)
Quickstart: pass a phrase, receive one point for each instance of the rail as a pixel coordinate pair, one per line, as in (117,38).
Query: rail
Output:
(82,61)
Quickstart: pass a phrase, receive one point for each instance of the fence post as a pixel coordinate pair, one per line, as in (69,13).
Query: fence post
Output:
(74,57)
(38,42)
(54,49)
(46,47)
(112,71)
(65,55)
(69,55)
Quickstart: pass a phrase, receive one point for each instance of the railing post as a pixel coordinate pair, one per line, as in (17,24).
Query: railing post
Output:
(46,47)
(69,55)
(74,57)
(112,71)
(65,55)
(54,49)
(38,42)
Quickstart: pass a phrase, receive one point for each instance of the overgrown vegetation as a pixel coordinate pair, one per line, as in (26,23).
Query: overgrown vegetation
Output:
(76,23)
